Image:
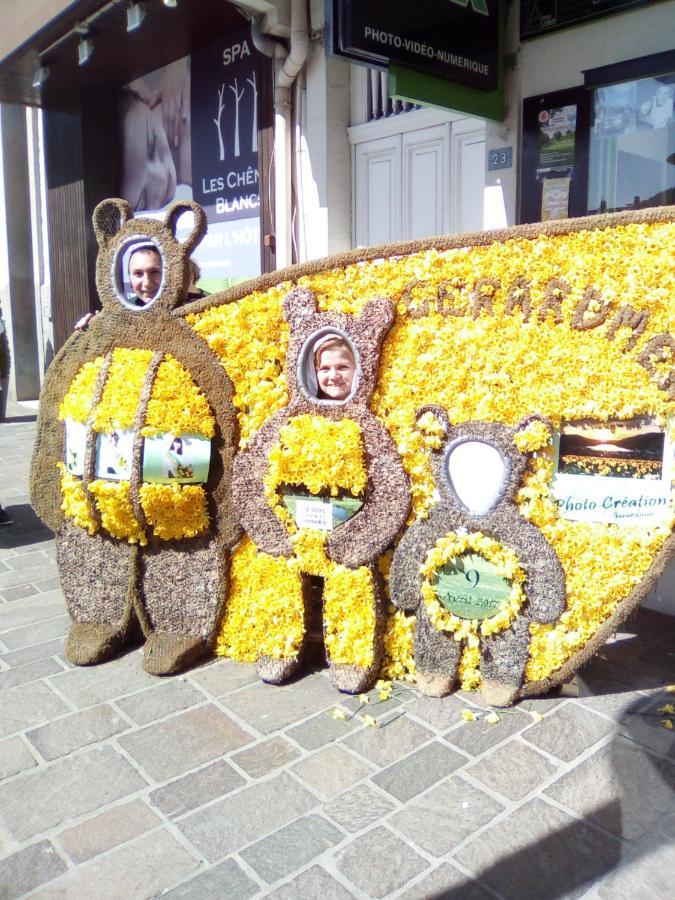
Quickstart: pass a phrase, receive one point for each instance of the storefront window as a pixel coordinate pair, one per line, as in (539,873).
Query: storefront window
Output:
(632,146)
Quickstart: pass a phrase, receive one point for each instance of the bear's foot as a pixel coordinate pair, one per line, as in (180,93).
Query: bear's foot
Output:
(89,643)
(433,684)
(351,679)
(167,654)
(498,693)
(276,671)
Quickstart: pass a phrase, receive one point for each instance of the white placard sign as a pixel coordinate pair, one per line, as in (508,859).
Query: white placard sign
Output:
(314,514)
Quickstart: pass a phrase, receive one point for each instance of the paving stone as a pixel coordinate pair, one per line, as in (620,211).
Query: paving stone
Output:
(70,733)
(612,699)
(159,701)
(644,726)
(622,787)
(29,672)
(647,872)
(321,729)
(16,577)
(29,705)
(226,880)
(37,801)
(107,830)
(414,774)
(447,882)
(539,851)
(33,560)
(384,746)
(513,770)
(18,592)
(48,584)
(445,816)
(568,731)
(14,757)
(224,676)
(331,770)
(34,653)
(292,847)
(268,707)
(475,738)
(31,610)
(35,634)
(137,870)
(266,756)
(440,713)
(358,808)
(187,793)
(183,742)
(91,685)
(28,869)
(236,821)
(379,862)
(314,884)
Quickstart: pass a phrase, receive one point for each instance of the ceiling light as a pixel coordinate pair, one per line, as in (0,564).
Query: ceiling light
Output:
(172,4)
(84,50)
(135,16)
(41,75)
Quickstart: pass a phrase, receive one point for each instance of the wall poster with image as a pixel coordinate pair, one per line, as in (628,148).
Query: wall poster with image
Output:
(114,452)
(75,447)
(181,459)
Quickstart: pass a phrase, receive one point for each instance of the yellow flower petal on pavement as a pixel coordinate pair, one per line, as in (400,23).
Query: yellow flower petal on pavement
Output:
(670,689)
(537,716)
(668,723)
(468,716)
(492,718)
(369,721)
(339,713)
(364,698)
(668,709)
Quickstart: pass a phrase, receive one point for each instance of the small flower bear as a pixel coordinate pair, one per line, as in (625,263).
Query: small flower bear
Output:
(475,571)
(137,412)
(321,491)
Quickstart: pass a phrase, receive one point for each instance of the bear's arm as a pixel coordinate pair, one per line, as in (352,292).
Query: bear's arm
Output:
(405,580)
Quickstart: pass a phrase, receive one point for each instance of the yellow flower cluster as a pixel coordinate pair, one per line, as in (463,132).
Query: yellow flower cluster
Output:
(113,499)
(175,511)
(75,503)
(349,616)
(77,403)
(122,390)
(176,404)
(534,437)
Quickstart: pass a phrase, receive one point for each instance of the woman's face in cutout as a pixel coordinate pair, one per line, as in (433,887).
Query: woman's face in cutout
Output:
(148,167)
(335,373)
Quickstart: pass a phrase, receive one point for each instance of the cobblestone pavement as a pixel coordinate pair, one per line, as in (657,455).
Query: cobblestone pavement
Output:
(118,784)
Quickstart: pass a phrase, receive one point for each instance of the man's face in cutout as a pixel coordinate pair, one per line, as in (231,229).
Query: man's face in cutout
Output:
(145,273)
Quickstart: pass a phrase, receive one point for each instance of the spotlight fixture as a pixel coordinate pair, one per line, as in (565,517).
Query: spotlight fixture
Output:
(41,75)
(135,16)
(172,4)
(84,50)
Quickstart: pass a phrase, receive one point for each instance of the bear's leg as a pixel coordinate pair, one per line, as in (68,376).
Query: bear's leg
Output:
(353,625)
(183,588)
(96,576)
(503,660)
(437,657)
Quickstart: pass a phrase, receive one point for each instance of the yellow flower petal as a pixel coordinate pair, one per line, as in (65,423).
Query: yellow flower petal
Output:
(492,718)
(369,721)
(468,716)
(339,713)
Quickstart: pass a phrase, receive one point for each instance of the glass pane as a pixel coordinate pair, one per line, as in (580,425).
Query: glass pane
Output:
(632,148)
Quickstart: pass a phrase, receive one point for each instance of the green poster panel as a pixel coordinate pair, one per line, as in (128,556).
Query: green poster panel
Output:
(470,587)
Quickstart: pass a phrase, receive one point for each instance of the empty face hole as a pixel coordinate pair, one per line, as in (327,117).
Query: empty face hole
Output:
(328,366)
(476,473)
(140,273)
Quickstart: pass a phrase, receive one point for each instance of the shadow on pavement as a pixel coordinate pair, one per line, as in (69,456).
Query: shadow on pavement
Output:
(27,528)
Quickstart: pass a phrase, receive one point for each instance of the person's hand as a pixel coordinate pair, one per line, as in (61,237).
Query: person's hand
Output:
(173,92)
(82,323)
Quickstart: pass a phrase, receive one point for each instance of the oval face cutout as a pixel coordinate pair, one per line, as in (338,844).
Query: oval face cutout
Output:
(476,474)
(327,367)
(139,274)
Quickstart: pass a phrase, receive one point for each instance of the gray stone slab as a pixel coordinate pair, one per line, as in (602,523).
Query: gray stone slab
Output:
(18,592)
(568,731)
(14,757)
(78,730)
(161,700)
(613,700)
(135,870)
(224,676)
(291,848)
(622,787)
(88,686)
(357,809)
(447,882)
(646,872)
(24,576)
(48,584)
(185,794)
(41,668)
(31,610)
(183,742)
(417,772)
(540,852)
(441,713)
(314,884)
(29,705)
(379,862)
(322,729)
(34,652)
(35,634)
(265,757)
(226,880)
(643,724)
(476,737)
(37,801)
(107,830)
(384,746)
(331,770)
(513,770)
(445,816)
(28,869)
(31,561)
(268,707)
(232,823)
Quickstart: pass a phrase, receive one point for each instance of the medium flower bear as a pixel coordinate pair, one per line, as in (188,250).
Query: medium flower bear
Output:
(321,491)
(139,541)
(475,571)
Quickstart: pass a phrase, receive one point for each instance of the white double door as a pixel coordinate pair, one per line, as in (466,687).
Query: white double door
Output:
(414,176)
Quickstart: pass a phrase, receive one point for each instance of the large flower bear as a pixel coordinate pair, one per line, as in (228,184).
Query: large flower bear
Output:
(137,412)
(321,491)
(475,571)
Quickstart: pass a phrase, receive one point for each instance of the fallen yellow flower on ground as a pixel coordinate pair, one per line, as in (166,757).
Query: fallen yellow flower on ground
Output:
(369,721)
(492,718)
(468,716)
(668,709)
(339,713)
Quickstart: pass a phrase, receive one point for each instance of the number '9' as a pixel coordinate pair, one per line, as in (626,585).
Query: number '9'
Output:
(472,577)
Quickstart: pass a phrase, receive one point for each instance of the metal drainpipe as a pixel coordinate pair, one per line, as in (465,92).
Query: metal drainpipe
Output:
(287,65)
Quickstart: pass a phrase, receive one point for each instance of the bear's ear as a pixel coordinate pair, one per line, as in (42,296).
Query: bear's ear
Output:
(381,311)
(533,433)
(433,424)
(109,216)
(174,213)
(299,304)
